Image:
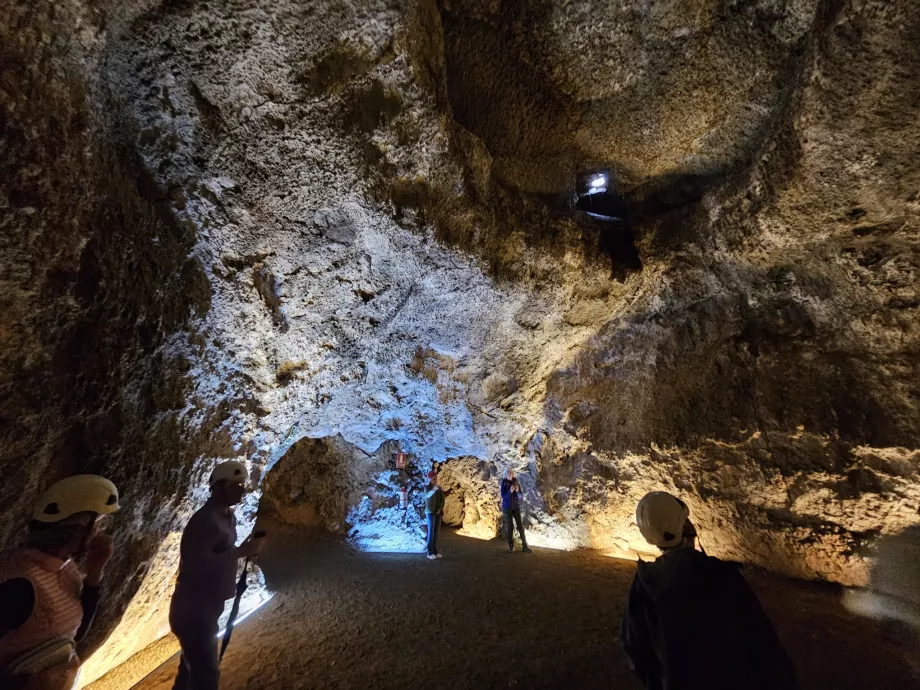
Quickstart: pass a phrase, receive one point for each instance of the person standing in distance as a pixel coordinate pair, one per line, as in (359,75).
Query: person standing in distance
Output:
(208,564)
(512,497)
(46,604)
(434,511)
(692,621)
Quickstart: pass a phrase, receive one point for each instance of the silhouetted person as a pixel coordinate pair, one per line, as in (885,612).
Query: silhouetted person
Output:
(512,498)
(46,604)
(692,621)
(208,564)
(434,511)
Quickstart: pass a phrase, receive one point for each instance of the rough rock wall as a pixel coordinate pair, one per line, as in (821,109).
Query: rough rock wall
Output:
(760,362)
(376,195)
(95,277)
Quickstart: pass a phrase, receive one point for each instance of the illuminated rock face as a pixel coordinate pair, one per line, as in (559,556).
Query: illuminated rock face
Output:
(311,234)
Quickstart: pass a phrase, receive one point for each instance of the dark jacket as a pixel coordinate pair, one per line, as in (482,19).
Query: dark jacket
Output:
(692,621)
(434,500)
(511,500)
(208,559)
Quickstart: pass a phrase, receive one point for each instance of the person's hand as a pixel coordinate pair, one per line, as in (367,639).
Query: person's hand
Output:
(250,547)
(98,552)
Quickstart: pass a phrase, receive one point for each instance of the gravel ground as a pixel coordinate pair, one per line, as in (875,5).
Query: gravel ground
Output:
(483,618)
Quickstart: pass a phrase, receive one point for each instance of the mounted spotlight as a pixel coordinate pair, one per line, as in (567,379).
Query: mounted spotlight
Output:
(593,183)
(595,195)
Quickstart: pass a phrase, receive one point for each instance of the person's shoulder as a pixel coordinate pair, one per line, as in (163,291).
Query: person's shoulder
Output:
(203,518)
(726,568)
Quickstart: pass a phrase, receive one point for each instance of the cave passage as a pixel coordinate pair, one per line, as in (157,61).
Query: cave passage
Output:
(484,618)
(618,247)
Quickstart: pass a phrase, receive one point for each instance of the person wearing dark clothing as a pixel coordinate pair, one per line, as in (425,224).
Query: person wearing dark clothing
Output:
(691,620)
(208,560)
(46,603)
(511,509)
(434,511)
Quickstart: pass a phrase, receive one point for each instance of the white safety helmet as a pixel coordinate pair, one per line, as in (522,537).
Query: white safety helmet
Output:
(82,493)
(232,470)
(894,587)
(661,518)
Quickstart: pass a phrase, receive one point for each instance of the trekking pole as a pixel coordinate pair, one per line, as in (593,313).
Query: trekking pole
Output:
(235,609)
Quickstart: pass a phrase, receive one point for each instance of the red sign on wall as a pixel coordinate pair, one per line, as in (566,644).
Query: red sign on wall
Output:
(400,461)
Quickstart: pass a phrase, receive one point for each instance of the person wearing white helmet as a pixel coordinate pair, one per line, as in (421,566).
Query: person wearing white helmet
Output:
(691,620)
(209,558)
(46,604)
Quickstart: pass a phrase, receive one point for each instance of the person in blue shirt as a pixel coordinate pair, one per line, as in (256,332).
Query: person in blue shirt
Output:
(434,511)
(512,498)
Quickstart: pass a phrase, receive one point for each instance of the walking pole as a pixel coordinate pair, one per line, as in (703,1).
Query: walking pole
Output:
(235,609)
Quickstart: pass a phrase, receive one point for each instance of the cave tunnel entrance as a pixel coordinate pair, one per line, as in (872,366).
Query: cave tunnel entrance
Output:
(605,211)
(595,194)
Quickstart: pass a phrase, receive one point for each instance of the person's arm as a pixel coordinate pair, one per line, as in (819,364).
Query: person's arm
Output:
(89,600)
(636,635)
(99,551)
(17,599)
(505,488)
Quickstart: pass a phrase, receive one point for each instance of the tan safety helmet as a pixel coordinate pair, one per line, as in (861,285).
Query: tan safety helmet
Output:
(661,518)
(233,470)
(82,493)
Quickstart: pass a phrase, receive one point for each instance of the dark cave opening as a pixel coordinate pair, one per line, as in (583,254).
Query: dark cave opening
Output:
(604,214)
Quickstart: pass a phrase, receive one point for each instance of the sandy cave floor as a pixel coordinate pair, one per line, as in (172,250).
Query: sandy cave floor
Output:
(483,618)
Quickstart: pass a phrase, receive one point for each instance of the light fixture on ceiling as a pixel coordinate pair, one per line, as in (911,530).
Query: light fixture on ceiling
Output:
(597,184)
(595,195)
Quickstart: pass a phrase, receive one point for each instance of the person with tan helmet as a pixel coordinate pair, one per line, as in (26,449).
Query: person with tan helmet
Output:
(46,604)
(209,558)
(691,620)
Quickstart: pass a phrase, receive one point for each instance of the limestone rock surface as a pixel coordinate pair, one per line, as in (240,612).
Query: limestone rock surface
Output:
(312,234)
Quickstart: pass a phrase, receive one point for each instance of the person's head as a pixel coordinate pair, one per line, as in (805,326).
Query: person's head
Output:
(509,475)
(664,521)
(228,482)
(70,512)
(433,477)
